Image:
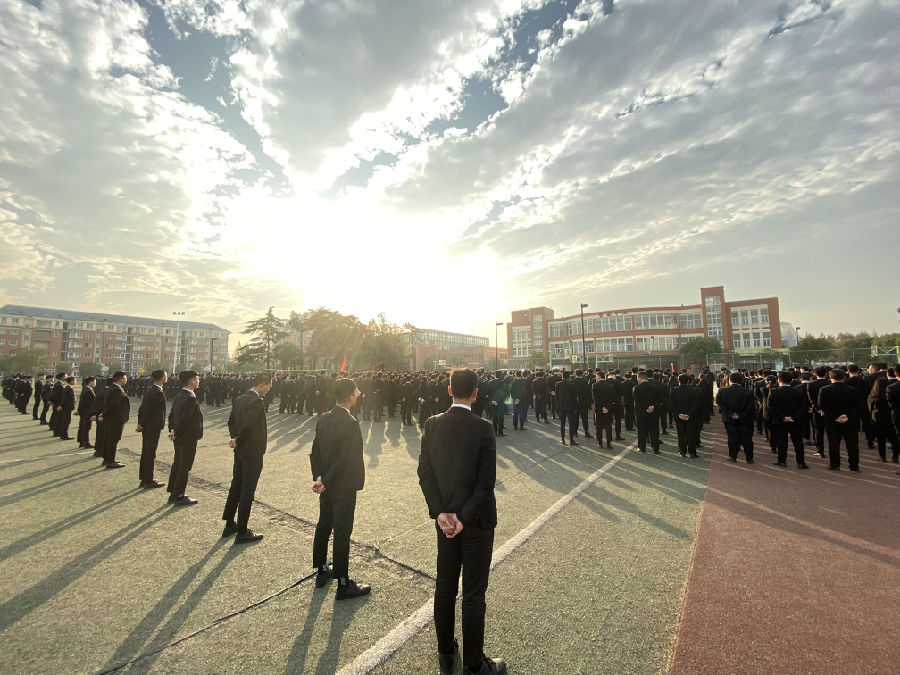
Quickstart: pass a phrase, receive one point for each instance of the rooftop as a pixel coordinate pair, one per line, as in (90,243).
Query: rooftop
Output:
(101,317)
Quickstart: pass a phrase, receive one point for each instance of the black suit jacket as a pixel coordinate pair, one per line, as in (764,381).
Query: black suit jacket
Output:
(247,424)
(116,406)
(786,402)
(736,399)
(185,418)
(645,394)
(837,399)
(604,395)
(68,398)
(686,400)
(458,467)
(152,413)
(56,393)
(337,452)
(86,402)
(566,396)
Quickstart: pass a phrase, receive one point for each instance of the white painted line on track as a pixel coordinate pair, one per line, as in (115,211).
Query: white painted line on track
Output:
(378,653)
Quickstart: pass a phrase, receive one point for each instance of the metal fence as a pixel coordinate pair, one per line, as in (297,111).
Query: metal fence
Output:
(839,356)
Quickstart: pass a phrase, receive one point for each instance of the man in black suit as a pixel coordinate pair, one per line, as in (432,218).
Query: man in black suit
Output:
(248,430)
(567,405)
(23,394)
(67,405)
(338,473)
(457,471)
(99,401)
(46,393)
(605,398)
(738,408)
(786,407)
(582,389)
(627,387)
(38,390)
(151,422)
(686,406)
(56,401)
(116,409)
(646,399)
(85,412)
(818,422)
(838,410)
(185,429)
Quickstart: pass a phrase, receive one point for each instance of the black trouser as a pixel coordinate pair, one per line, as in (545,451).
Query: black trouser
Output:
(740,434)
(84,429)
(54,416)
(629,417)
(336,510)
(37,404)
(884,432)
(540,408)
(44,411)
(819,428)
(583,413)
(111,441)
(868,425)
(63,420)
(23,404)
(661,412)
(647,425)
(572,417)
(688,433)
(406,409)
(471,551)
(603,422)
(850,435)
(149,443)
(185,451)
(617,414)
(244,477)
(100,439)
(424,412)
(520,413)
(781,433)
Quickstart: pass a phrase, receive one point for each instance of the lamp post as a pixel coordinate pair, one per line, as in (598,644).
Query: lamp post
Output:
(496,347)
(177,316)
(583,350)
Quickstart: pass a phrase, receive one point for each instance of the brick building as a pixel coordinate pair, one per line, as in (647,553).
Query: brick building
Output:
(435,346)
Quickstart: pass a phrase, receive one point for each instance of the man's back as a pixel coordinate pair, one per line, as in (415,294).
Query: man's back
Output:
(337,452)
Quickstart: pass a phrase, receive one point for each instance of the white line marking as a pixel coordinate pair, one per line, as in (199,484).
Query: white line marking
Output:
(378,653)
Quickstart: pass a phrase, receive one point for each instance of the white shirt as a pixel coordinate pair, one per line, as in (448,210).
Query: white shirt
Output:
(462,405)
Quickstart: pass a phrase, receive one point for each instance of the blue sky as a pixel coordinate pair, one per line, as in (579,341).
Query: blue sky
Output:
(448,162)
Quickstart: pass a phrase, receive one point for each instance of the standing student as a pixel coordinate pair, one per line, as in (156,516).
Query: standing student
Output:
(151,422)
(686,406)
(646,399)
(116,410)
(457,471)
(185,429)
(838,410)
(738,408)
(786,406)
(85,412)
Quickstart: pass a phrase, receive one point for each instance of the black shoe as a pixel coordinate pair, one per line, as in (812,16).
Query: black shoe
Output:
(694,455)
(656,452)
(229,529)
(183,500)
(563,441)
(447,661)
(489,667)
(588,436)
(834,468)
(151,484)
(779,463)
(749,461)
(620,438)
(323,577)
(802,466)
(854,469)
(572,441)
(819,454)
(113,465)
(732,460)
(882,459)
(347,588)
(683,454)
(65,438)
(247,536)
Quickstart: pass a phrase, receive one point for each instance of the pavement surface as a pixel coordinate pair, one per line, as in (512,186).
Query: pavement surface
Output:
(596,553)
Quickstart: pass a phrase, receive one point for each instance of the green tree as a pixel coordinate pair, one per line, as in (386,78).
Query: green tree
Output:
(89,369)
(114,366)
(63,367)
(811,349)
(697,352)
(26,361)
(288,356)
(334,337)
(267,332)
(536,359)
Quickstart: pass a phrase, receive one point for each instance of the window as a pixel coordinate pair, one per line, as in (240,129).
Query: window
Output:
(618,344)
(556,330)
(692,320)
(736,341)
(612,324)
(557,348)
(15,331)
(766,339)
(746,339)
(754,317)
(764,316)
(655,320)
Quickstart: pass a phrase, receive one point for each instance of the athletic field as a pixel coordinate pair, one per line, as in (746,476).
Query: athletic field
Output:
(605,561)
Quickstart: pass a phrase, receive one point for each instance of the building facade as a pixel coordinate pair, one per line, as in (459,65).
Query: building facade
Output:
(437,347)
(747,326)
(134,342)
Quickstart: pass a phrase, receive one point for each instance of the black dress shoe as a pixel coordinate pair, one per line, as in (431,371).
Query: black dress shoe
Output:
(803,466)
(572,441)
(447,661)
(620,438)
(347,588)
(65,438)
(779,463)
(732,460)
(694,455)
(184,500)
(230,529)
(834,468)
(323,577)
(588,436)
(656,452)
(114,465)
(854,469)
(153,484)
(563,441)
(247,536)
(489,667)
(749,461)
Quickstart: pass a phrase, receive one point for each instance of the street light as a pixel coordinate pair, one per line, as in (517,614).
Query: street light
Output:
(583,350)
(177,316)
(496,347)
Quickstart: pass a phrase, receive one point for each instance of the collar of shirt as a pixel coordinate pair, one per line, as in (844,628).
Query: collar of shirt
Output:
(255,392)
(158,386)
(348,411)
(462,405)
(192,394)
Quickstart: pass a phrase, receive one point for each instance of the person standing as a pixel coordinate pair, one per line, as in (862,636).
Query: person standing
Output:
(38,389)
(457,472)
(185,429)
(738,408)
(56,401)
(838,406)
(605,398)
(85,412)
(66,407)
(567,406)
(686,406)
(151,422)
(339,472)
(116,409)
(646,400)
(786,406)
(248,430)
(818,421)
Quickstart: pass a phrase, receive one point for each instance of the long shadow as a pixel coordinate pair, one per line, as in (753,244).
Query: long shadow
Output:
(143,639)
(297,658)
(341,617)
(41,472)
(16,608)
(35,490)
(65,524)
(373,440)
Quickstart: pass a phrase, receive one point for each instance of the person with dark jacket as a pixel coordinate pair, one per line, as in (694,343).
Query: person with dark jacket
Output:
(116,410)
(38,390)
(738,408)
(56,395)
(85,412)
(248,430)
(818,421)
(646,399)
(605,398)
(880,411)
(339,472)
(457,472)
(786,405)
(151,422)
(185,429)
(67,405)
(838,409)
(686,407)
(567,406)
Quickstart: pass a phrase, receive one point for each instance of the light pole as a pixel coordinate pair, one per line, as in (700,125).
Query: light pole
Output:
(496,347)
(583,351)
(177,316)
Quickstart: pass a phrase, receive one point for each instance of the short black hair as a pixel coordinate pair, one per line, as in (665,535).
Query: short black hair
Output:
(89,378)
(736,378)
(262,378)
(343,389)
(785,376)
(684,378)
(70,378)
(821,371)
(463,382)
(118,375)
(838,373)
(186,375)
(157,375)
(60,376)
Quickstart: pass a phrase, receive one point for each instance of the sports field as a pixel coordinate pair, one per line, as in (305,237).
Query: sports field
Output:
(606,561)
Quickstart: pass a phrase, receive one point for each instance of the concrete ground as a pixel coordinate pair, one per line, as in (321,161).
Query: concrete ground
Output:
(101,576)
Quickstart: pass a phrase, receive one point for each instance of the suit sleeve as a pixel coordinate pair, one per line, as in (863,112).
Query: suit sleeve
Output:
(487,477)
(426,476)
(315,457)
(232,423)
(336,466)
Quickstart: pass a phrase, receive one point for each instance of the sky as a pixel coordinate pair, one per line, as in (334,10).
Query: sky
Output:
(447,162)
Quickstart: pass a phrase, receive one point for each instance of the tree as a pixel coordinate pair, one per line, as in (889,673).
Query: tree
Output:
(63,367)
(457,360)
(26,361)
(536,359)
(697,352)
(267,332)
(815,349)
(89,369)
(288,356)
(114,367)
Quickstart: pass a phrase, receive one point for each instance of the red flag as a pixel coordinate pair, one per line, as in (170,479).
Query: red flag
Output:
(344,365)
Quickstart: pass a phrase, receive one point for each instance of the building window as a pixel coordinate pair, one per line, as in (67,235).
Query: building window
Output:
(556,330)
(766,339)
(736,341)
(764,316)
(691,320)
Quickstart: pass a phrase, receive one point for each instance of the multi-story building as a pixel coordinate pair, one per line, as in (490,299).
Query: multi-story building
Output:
(452,349)
(747,326)
(134,342)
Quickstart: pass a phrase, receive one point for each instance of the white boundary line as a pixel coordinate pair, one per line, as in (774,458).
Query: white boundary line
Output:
(413,624)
